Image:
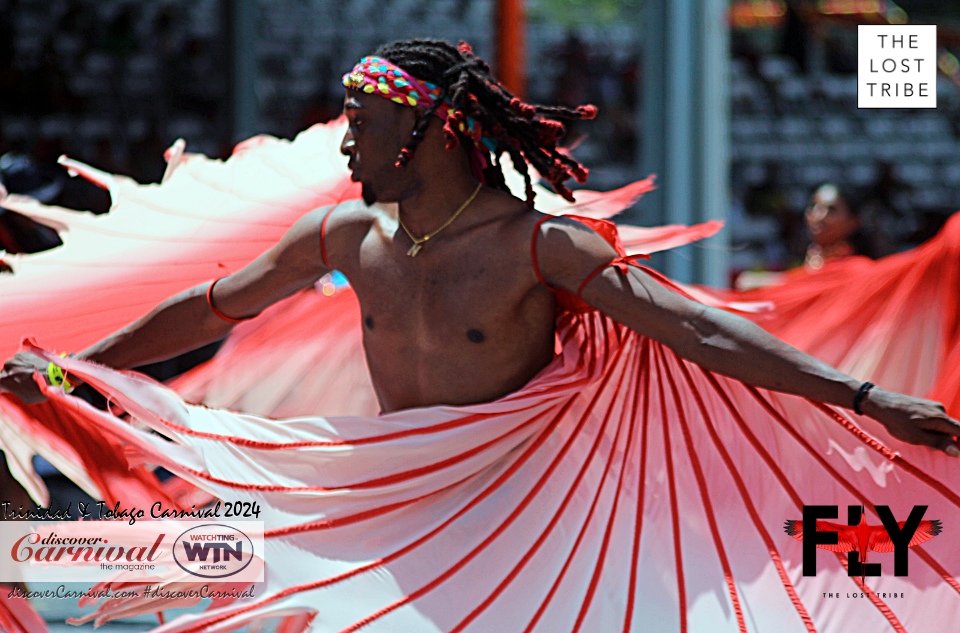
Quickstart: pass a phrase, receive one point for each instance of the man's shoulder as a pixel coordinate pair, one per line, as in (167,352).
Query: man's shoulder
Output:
(528,226)
(344,226)
(349,213)
(563,242)
(551,227)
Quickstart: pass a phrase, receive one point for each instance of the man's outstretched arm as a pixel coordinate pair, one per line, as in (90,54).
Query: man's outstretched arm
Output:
(185,321)
(722,342)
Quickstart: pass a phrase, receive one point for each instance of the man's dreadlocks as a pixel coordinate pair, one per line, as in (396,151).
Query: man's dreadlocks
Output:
(528,133)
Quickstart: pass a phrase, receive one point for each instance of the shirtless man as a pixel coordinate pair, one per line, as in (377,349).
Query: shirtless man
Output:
(453,309)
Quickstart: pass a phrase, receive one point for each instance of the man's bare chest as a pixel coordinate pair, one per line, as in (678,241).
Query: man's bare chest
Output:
(450,293)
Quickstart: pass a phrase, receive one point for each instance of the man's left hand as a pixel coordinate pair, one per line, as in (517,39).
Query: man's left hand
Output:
(914,420)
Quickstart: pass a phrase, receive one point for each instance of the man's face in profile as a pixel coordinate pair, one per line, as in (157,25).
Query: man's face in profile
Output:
(377,129)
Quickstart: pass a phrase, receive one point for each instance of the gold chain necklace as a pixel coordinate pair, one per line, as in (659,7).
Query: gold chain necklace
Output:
(418,241)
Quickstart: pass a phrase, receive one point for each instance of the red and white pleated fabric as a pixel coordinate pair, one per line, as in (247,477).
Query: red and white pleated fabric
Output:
(207,219)
(894,321)
(17,616)
(621,489)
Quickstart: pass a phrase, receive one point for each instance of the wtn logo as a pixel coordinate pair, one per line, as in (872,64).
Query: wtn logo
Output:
(194,551)
(857,538)
(213,550)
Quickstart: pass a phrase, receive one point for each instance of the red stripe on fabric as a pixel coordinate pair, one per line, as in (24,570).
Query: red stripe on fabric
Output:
(864,438)
(362,441)
(100,385)
(323,239)
(500,529)
(802,441)
(704,493)
(930,560)
(200,625)
(329,524)
(370,483)
(674,509)
(549,528)
(445,463)
(888,454)
(751,508)
(17,615)
(641,489)
(881,606)
(631,397)
(752,439)
(99,453)
(528,555)
(442,426)
(548,599)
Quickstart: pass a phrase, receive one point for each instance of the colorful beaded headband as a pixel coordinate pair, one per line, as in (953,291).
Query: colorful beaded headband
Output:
(375,75)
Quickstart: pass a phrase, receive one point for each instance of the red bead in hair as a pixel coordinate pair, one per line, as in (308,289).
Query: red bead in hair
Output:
(521,108)
(563,192)
(452,139)
(556,172)
(551,131)
(587,111)
(403,158)
(464,48)
(580,174)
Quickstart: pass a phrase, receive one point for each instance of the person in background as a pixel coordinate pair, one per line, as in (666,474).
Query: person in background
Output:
(836,229)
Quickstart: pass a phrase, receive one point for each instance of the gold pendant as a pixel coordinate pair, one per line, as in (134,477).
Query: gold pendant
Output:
(414,250)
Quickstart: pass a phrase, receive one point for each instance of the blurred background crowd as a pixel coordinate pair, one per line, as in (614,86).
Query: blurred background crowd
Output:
(114,82)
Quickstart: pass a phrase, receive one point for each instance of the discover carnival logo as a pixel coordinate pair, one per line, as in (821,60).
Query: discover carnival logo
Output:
(51,548)
(213,550)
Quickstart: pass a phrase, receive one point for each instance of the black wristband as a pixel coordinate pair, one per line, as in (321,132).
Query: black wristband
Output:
(861,394)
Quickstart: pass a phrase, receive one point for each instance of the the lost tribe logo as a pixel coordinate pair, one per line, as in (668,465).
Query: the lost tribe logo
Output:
(858,538)
(213,551)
